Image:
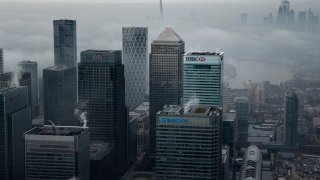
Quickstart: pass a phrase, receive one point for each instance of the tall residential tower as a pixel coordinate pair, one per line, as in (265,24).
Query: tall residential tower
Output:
(15,113)
(65,42)
(291,105)
(134,58)
(1,61)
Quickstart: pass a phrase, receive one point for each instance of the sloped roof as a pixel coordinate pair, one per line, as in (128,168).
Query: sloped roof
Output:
(168,34)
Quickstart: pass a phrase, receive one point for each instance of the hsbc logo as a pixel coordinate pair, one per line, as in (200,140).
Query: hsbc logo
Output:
(201,59)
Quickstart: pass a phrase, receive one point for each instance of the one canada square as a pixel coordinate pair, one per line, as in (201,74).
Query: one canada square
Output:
(165,75)
(134,58)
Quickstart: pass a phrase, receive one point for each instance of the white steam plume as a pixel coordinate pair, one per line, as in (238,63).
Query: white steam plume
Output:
(192,102)
(82,116)
(15,78)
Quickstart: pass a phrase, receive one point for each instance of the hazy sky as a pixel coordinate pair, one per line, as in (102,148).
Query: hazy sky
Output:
(257,52)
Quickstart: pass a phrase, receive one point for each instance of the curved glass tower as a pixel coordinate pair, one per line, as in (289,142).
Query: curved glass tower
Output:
(134,58)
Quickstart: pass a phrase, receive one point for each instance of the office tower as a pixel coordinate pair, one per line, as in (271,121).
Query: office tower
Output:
(15,114)
(65,42)
(302,21)
(57,152)
(102,95)
(165,75)
(1,61)
(60,95)
(251,87)
(32,68)
(134,58)
(102,160)
(203,78)
(230,132)
(15,79)
(228,99)
(291,105)
(252,164)
(188,143)
(242,106)
(285,14)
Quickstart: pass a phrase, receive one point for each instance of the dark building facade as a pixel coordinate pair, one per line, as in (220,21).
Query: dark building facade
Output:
(242,106)
(65,42)
(166,61)
(57,152)
(291,105)
(230,134)
(102,160)
(15,119)
(32,68)
(60,95)
(102,96)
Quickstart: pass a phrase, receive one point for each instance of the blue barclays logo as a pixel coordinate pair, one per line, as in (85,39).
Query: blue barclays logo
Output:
(174,120)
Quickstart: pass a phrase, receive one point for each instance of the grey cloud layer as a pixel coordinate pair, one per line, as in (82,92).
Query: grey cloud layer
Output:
(26,33)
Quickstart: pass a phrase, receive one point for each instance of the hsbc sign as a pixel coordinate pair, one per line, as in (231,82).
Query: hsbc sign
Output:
(193,59)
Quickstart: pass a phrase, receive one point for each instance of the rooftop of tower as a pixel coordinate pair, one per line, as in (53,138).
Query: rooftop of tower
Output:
(51,130)
(190,110)
(168,35)
(204,53)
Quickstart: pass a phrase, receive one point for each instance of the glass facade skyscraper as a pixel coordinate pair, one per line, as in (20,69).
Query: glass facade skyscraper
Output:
(60,95)
(102,96)
(203,78)
(291,105)
(32,68)
(242,106)
(165,75)
(188,143)
(57,152)
(15,119)
(65,42)
(134,58)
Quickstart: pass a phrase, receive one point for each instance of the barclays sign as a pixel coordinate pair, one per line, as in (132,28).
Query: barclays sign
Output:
(174,120)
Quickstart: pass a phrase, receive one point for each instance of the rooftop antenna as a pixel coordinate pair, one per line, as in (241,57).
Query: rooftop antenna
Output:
(161,10)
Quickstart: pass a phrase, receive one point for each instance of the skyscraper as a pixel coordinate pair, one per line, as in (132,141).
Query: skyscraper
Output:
(57,152)
(252,164)
(1,61)
(60,95)
(242,106)
(230,132)
(188,143)
(32,68)
(134,58)
(65,42)
(291,105)
(285,14)
(15,79)
(15,114)
(102,96)
(203,78)
(165,75)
